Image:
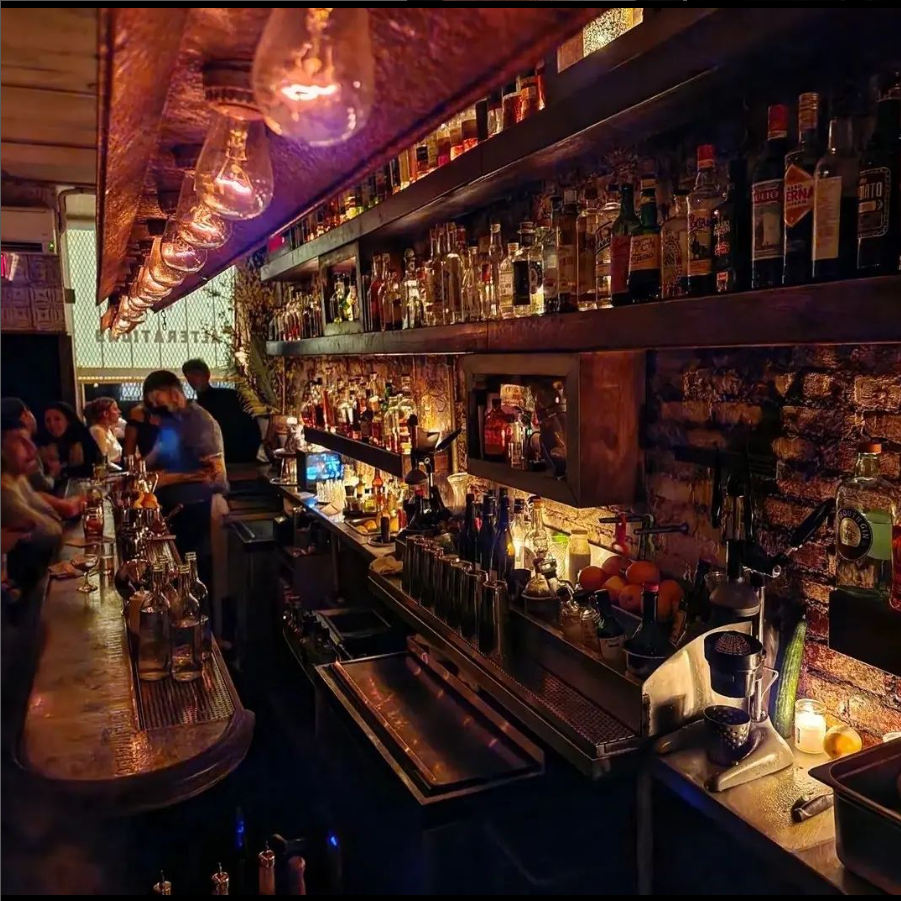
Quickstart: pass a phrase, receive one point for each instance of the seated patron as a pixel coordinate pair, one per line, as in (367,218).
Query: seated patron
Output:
(66,439)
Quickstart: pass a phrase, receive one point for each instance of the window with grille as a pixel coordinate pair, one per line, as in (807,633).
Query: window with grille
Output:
(164,341)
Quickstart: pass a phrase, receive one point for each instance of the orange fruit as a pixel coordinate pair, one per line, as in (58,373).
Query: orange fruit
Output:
(615,565)
(630,598)
(615,584)
(670,595)
(642,571)
(591,578)
(841,741)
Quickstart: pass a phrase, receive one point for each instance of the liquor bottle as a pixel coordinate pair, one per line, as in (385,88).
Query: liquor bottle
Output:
(486,533)
(153,629)
(620,247)
(496,433)
(586,252)
(414,306)
(185,633)
(607,214)
(434,280)
(495,258)
(730,242)
(530,253)
(521,295)
(767,187)
(511,105)
(879,191)
(472,284)
(456,136)
(674,248)
(537,546)
(375,284)
(266,874)
(835,205)
(566,253)
(689,610)
(444,144)
(705,195)
(201,594)
(468,539)
(649,639)
(865,515)
(800,168)
(452,270)
(516,439)
(549,263)
(518,531)
(407,419)
(495,114)
(644,248)
(505,282)
(528,94)
(394,298)
(503,553)
(610,633)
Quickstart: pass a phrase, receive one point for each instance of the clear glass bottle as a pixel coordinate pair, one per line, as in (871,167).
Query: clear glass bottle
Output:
(674,247)
(528,287)
(414,307)
(472,284)
(202,595)
(566,253)
(516,450)
(547,241)
(537,544)
(495,258)
(185,634)
(866,515)
(518,530)
(153,629)
(506,282)
(705,195)
(407,420)
(606,217)
(452,272)
(586,251)
(392,299)
(578,554)
(434,280)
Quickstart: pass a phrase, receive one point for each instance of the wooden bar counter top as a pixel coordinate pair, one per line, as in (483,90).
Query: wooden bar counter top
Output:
(92,729)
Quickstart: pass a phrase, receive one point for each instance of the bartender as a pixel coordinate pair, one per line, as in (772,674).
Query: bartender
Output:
(188,454)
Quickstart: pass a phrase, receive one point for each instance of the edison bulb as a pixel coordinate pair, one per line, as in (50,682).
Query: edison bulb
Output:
(314,73)
(148,286)
(196,223)
(132,310)
(178,254)
(159,271)
(234,173)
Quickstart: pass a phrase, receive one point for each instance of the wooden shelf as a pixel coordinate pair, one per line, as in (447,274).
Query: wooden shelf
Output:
(856,311)
(388,462)
(540,483)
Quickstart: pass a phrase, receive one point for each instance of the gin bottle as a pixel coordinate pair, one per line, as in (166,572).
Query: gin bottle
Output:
(202,595)
(865,514)
(185,632)
(153,630)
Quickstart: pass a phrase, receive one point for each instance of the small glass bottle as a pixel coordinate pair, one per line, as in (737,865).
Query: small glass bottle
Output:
(202,595)
(153,629)
(730,243)
(506,282)
(185,633)
(586,252)
(547,242)
(537,544)
(610,633)
(571,617)
(516,457)
(578,554)
(444,144)
(518,530)
(674,247)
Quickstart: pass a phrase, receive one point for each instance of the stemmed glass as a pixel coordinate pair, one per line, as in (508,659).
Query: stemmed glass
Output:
(86,563)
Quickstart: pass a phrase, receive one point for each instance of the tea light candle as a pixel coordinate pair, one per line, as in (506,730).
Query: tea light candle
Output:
(810,726)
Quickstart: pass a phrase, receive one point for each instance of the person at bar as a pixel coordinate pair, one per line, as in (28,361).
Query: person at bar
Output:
(102,416)
(141,431)
(14,410)
(66,440)
(240,432)
(189,457)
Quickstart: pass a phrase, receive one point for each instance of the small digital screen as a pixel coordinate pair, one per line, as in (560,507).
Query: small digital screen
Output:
(324,466)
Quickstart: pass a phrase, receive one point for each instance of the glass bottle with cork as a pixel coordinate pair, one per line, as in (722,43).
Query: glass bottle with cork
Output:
(644,248)
(800,168)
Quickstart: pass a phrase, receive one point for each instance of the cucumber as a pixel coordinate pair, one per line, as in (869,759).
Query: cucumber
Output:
(784,714)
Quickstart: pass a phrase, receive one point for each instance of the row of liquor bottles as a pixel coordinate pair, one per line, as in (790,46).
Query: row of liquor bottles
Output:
(501,110)
(364,410)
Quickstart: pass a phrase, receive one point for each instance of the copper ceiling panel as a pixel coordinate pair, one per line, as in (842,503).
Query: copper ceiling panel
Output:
(429,62)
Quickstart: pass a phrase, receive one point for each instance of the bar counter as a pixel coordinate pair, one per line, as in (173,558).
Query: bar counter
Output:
(92,729)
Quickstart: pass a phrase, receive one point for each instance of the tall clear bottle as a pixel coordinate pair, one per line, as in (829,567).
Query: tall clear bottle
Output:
(674,247)
(537,545)
(201,593)
(414,306)
(153,629)
(606,217)
(495,258)
(866,513)
(472,284)
(547,241)
(435,282)
(518,530)
(528,290)
(705,195)
(185,632)
(586,251)
(452,269)
(566,253)
(505,281)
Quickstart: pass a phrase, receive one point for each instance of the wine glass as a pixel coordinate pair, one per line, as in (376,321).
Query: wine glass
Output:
(86,563)
(92,522)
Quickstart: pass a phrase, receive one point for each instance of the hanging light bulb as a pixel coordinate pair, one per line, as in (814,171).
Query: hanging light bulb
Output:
(195,222)
(314,73)
(132,310)
(159,271)
(234,174)
(178,254)
(148,287)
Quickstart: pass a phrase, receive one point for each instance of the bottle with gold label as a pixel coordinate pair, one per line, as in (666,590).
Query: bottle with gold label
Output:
(644,249)
(705,195)
(865,515)
(800,169)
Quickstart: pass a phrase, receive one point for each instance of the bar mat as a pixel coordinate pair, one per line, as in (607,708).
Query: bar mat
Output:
(170,703)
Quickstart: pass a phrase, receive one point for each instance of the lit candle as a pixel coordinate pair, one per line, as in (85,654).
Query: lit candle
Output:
(810,726)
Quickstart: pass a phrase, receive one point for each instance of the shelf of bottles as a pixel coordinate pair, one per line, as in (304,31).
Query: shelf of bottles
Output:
(378,457)
(787,244)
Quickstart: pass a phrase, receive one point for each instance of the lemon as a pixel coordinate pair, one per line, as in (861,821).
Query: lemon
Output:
(840,741)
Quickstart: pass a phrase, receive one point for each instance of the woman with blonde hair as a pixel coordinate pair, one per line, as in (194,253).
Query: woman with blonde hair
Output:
(102,416)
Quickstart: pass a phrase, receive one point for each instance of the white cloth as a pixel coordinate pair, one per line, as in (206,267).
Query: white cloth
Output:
(107,442)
